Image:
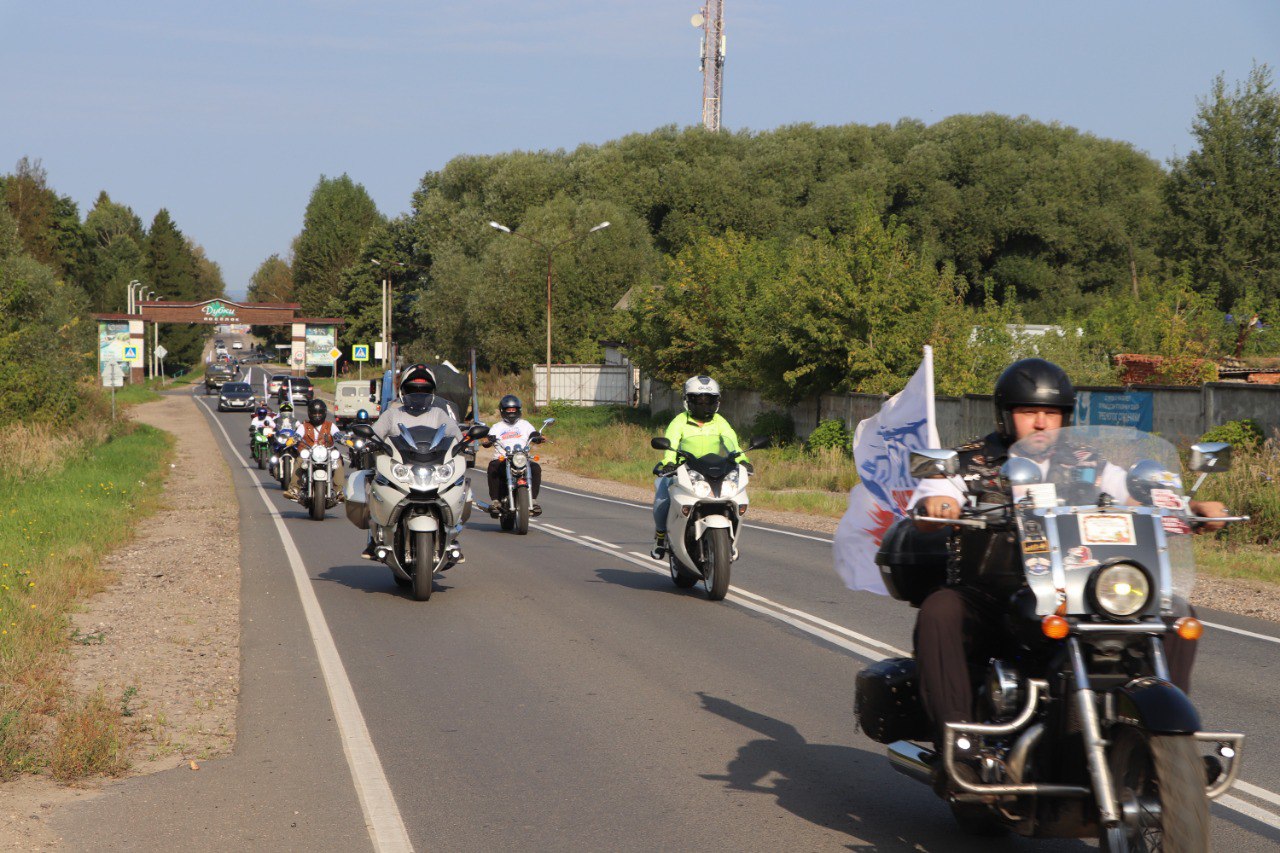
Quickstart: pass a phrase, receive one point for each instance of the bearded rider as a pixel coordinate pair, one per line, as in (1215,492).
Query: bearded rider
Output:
(511,431)
(701,430)
(959,627)
(318,430)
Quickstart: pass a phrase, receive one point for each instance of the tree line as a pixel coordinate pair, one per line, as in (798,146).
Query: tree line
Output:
(809,259)
(56,269)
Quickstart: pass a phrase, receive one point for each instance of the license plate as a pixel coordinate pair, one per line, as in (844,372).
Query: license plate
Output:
(319,475)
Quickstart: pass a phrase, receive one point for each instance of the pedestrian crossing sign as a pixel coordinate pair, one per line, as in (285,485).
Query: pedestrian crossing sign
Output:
(360,352)
(131,354)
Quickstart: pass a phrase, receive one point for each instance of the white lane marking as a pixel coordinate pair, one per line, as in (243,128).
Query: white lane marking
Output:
(837,634)
(758,603)
(553,527)
(599,541)
(382,817)
(1267,637)
(1248,810)
(650,509)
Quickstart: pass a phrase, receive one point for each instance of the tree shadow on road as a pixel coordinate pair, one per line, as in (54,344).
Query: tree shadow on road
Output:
(840,787)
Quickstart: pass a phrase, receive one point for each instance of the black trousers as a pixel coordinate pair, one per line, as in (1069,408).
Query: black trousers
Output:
(498,479)
(960,629)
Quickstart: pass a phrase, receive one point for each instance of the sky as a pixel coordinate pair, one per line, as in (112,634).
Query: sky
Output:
(228,113)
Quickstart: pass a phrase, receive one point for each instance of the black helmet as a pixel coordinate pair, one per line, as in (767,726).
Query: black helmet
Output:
(417,379)
(362,416)
(286,408)
(260,412)
(317,412)
(509,407)
(1032,382)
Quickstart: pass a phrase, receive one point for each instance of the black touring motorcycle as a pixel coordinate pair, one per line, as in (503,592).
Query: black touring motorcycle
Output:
(1082,732)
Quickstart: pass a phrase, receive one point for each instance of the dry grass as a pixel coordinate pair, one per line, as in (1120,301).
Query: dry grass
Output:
(91,738)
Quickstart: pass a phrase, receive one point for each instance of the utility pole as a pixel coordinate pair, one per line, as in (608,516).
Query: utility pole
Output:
(711,20)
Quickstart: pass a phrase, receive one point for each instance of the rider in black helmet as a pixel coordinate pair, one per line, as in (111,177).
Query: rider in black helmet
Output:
(511,431)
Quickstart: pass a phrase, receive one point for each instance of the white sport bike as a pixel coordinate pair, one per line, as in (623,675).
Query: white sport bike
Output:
(708,500)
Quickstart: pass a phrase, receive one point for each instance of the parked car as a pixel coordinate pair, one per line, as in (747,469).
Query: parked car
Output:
(236,396)
(301,386)
(216,375)
(350,397)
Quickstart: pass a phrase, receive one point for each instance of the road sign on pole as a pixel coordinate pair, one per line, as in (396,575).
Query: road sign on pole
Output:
(161,352)
(112,375)
(131,353)
(360,352)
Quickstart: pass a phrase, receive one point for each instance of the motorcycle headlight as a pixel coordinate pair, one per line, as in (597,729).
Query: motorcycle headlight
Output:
(733,476)
(359,443)
(519,459)
(444,473)
(320,453)
(304,453)
(701,487)
(1121,590)
(423,475)
(695,477)
(402,473)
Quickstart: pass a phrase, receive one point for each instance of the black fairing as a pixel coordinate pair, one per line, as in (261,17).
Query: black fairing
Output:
(427,452)
(912,563)
(1157,706)
(712,466)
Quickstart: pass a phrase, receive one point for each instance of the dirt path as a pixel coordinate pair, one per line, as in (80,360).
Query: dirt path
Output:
(166,633)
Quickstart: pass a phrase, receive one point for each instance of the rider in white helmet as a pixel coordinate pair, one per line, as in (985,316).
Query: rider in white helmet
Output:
(698,430)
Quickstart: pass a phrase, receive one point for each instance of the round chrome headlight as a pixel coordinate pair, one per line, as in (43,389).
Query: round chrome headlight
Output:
(401,473)
(320,453)
(519,459)
(444,473)
(1121,590)
(304,453)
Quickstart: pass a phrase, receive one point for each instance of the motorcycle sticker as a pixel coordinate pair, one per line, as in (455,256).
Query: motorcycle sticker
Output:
(1079,557)
(1038,565)
(1107,528)
(1035,546)
(1166,498)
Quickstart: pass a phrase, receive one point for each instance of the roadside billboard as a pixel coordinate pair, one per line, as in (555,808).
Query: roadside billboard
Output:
(320,340)
(113,337)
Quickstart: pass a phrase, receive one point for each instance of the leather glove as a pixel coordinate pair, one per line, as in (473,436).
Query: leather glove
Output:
(661,470)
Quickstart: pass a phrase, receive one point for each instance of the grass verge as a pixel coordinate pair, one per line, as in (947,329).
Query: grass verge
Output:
(1248,562)
(56,527)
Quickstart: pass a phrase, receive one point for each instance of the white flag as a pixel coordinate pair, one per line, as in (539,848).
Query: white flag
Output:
(882,447)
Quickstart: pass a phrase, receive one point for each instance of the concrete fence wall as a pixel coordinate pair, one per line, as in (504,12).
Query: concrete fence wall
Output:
(1181,414)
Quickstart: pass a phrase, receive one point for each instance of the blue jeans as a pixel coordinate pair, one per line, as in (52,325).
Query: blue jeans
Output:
(661,503)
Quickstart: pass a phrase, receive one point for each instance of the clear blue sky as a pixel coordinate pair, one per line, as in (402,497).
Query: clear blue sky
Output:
(228,112)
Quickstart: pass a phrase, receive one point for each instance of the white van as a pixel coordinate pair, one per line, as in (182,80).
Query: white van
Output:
(350,397)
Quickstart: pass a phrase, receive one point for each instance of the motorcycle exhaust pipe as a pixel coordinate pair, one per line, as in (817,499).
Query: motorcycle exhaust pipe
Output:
(912,761)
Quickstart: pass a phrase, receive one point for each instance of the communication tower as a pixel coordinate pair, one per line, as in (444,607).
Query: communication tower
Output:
(711,20)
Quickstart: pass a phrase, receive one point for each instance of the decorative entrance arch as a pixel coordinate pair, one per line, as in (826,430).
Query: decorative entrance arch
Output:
(115,342)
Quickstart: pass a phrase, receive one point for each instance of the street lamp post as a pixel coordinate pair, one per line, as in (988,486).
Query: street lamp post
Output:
(386,310)
(146,297)
(129,309)
(155,345)
(550,250)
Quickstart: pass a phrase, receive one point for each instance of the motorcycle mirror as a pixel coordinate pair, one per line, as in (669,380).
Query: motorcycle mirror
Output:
(1210,457)
(660,442)
(931,464)
(1019,471)
(477,431)
(548,422)
(363,430)
(758,442)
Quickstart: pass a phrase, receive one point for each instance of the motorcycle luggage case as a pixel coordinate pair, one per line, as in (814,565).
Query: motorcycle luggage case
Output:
(887,704)
(912,564)
(356,496)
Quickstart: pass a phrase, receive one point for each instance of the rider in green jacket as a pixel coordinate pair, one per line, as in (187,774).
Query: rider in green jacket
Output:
(698,430)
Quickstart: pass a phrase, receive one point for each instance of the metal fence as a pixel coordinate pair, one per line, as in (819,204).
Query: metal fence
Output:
(585,384)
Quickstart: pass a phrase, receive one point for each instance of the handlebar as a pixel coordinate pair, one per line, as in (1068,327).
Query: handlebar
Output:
(976,523)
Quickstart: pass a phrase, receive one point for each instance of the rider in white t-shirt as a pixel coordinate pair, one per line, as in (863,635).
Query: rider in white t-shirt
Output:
(507,433)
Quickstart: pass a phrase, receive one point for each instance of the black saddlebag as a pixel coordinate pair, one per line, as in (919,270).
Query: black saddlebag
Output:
(886,702)
(912,564)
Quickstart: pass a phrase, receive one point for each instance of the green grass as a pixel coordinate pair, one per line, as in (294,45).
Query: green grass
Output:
(53,532)
(1248,562)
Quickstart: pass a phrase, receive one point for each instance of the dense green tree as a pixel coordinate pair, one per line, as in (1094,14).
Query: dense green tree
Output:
(1224,197)
(116,239)
(338,218)
(171,270)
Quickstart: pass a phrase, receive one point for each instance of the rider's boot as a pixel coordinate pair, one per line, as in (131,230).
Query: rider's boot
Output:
(659,545)
(535,510)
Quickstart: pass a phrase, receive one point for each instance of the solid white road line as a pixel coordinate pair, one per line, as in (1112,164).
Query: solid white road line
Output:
(1266,637)
(382,817)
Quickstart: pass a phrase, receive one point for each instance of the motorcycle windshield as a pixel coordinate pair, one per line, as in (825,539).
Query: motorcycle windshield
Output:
(422,443)
(708,455)
(1093,468)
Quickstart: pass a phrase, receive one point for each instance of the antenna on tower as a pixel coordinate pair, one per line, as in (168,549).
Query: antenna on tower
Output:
(711,20)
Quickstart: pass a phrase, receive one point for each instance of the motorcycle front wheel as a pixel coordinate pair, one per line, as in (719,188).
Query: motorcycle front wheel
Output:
(522,512)
(262,459)
(717,556)
(317,502)
(680,578)
(424,557)
(1160,781)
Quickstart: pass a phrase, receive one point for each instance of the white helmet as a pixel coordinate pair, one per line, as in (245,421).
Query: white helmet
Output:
(702,397)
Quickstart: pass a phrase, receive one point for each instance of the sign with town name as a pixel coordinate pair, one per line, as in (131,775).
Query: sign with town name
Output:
(218,312)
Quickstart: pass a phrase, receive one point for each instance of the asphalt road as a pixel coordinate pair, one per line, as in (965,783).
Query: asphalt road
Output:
(559,693)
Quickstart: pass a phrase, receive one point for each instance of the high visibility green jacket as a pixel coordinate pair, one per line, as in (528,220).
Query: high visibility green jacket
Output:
(714,436)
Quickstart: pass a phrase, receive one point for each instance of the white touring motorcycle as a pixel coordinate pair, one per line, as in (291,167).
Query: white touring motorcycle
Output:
(1080,732)
(415,501)
(708,500)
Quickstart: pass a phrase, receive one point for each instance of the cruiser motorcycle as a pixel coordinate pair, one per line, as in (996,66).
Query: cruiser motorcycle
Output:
(1082,733)
(315,481)
(708,501)
(415,501)
(514,505)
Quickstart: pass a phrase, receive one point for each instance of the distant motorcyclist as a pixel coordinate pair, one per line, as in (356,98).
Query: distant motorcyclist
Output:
(285,419)
(318,430)
(697,426)
(512,430)
(262,419)
(418,406)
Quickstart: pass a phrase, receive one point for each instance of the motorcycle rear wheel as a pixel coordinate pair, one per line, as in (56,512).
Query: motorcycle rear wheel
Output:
(718,557)
(522,512)
(1166,771)
(424,558)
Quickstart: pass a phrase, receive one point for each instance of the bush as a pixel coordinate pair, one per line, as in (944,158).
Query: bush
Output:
(831,434)
(1243,434)
(1250,488)
(779,426)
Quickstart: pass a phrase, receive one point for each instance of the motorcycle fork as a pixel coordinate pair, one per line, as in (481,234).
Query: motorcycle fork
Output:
(510,497)
(1095,746)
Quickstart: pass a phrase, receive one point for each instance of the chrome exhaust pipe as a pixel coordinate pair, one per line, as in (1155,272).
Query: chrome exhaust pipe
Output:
(912,761)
